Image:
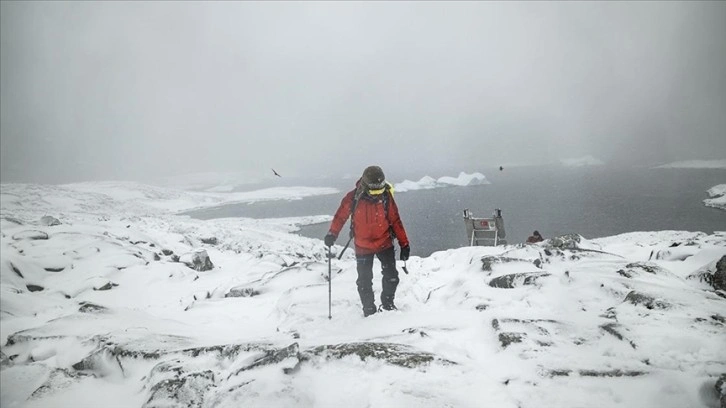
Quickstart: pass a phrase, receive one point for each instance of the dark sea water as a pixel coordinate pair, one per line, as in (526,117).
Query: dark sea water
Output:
(592,201)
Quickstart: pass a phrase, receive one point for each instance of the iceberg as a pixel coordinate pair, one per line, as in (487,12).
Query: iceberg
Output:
(428,182)
(717,196)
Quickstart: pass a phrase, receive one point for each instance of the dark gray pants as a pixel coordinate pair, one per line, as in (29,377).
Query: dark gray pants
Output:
(389,282)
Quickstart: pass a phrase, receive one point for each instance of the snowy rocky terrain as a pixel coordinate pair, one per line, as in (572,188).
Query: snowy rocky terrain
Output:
(109,299)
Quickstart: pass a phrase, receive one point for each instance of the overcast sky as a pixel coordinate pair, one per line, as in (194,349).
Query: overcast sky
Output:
(135,90)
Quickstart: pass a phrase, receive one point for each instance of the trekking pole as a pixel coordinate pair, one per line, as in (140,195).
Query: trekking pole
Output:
(346,247)
(330,290)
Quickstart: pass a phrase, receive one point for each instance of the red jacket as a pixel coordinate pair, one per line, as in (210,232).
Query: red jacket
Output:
(373,232)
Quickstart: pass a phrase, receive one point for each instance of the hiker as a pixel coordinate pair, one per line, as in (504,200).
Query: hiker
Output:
(375,222)
(534,238)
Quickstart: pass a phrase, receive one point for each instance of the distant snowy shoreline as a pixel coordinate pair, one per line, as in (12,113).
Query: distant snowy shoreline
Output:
(582,161)
(695,164)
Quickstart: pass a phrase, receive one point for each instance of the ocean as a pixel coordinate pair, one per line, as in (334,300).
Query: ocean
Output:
(591,201)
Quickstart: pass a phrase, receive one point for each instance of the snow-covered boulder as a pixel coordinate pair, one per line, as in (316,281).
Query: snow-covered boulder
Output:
(197,260)
(49,221)
(30,235)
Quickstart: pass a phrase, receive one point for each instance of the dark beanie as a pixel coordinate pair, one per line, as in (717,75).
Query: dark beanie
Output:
(373,176)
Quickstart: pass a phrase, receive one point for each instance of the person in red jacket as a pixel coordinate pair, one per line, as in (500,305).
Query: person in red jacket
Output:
(375,223)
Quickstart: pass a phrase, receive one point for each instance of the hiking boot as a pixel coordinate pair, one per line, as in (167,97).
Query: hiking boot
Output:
(387,306)
(369,311)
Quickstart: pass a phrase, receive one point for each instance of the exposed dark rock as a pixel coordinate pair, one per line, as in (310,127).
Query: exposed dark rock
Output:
(396,354)
(273,356)
(567,241)
(517,279)
(557,373)
(508,338)
(241,292)
(489,261)
(595,373)
(58,269)
(21,337)
(59,378)
(210,241)
(529,321)
(415,331)
(183,390)
(157,257)
(482,307)
(100,361)
(34,288)
(719,318)
(638,298)
(612,329)
(721,389)
(167,252)
(495,324)
(612,373)
(229,351)
(30,235)
(632,269)
(13,220)
(88,307)
(175,258)
(198,260)
(646,267)
(719,277)
(623,272)
(106,286)
(4,360)
(49,221)
(16,270)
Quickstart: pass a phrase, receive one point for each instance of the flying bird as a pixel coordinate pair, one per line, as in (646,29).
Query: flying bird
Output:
(276,173)
(501,168)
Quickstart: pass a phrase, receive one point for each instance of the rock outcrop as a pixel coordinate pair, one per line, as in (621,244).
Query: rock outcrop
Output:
(197,260)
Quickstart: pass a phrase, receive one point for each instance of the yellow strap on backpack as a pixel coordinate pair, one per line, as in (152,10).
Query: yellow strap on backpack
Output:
(379,191)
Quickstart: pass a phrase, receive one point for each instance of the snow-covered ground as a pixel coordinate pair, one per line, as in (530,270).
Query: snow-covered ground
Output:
(695,164)
(97,311)
(427,182)
(582,161)
(718,197)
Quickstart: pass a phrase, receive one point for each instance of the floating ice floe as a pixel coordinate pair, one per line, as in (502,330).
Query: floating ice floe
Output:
(427,182)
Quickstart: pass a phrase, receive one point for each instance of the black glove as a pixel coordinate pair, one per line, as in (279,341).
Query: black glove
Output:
(405,252)
(329,239)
